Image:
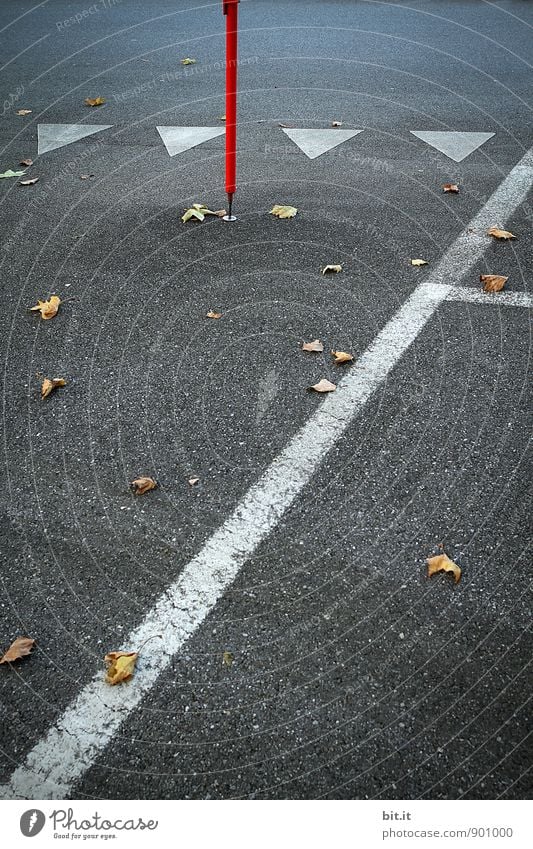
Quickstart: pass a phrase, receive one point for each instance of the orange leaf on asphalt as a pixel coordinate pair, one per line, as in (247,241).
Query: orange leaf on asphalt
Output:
(94,101)
(121,666)
(48,309)
(442,563)
(500,234)
(213,314)
(341,357)
(142,485)
(493,282)
(19,648)
(324,386)
(316,345)
(49,385)
(450,187)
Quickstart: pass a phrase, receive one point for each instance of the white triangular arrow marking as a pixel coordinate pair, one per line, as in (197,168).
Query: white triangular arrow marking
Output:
(316,142)
(178,139)
(52,136)
(454,145)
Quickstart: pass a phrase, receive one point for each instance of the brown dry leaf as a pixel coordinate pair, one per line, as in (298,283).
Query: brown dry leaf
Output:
(29,182)
(213,314)
(26,162)
(283,211)
(450,187)
(341,357)
(331,269)
(193,481)
(227,658)
(419,262)
(442,563)
(316,345)
(24,111)
(94,101)
(121,666)
(49,385)
(324,386)
(500,234)
(336,123)
(48,309)
(493,282)
(188,61)
(142,485)
(19,648)
(220,213)
(86,176)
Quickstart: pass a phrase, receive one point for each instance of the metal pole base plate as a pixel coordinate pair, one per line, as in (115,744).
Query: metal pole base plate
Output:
(229,218)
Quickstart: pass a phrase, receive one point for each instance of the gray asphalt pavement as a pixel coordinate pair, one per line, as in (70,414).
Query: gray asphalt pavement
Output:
(353,675)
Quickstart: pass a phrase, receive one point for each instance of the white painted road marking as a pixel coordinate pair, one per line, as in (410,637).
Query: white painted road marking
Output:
(316,142)
(478,296)
(72,745)
(454,145)
(179,139)
(52,136)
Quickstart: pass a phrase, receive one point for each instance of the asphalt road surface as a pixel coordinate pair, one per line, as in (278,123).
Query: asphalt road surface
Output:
(302,549)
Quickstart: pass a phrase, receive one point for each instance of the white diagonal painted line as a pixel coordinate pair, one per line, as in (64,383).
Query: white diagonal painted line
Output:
(501,299)
(71,746)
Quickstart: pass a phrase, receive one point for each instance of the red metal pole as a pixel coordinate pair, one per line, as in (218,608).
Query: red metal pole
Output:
(230,10)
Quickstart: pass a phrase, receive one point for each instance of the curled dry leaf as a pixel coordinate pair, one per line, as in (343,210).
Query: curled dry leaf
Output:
(453,188)
(324,386)
(500,234)
(221,117)
(227,658)
(316,345)
(213,314)
(121,666)
(29,182)
(48,309)
(419,262)
(340,357)
(142,485)
(86,176)
(283,211)
(199,211)
(442,563)
(24,111)
(193,481)
(49,385)
(493,282)
(10,173)
(331,269)
(188,61)
(94,101)
(18,648)
(26,162)
(336,123)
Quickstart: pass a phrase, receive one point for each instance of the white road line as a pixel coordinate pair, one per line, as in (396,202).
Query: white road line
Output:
(501,299)
(72,745)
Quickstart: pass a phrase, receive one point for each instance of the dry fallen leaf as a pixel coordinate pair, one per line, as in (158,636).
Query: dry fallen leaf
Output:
(336,123)
(493,282)
(500,234)
(283,211)
(442,563)
(121,666)
(18,648)
(213,314)
(199,211)
(221,117)
(29,182)
(26,162)
(193,481)
(94,101)
(188,61)
(331,269)
(341,357)
(86,176)
(324,386)
(419,262)
(227,658)
(142,485)
(450,187)
(10,173)
(24,111)
(316,345)
(48,309)
(49,385)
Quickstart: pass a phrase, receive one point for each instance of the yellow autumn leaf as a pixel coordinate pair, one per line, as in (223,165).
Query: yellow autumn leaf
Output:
(94,101)
(331,268)
(500,234)
(419,262)
(199,211)
(493,282)
(24,111)
(121,666)
(142,485)
(442,563)
(48,309)
(49,385)
(323,386)
(316,345)
(227,658)
(188,61)
(341,357)
(283,211)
